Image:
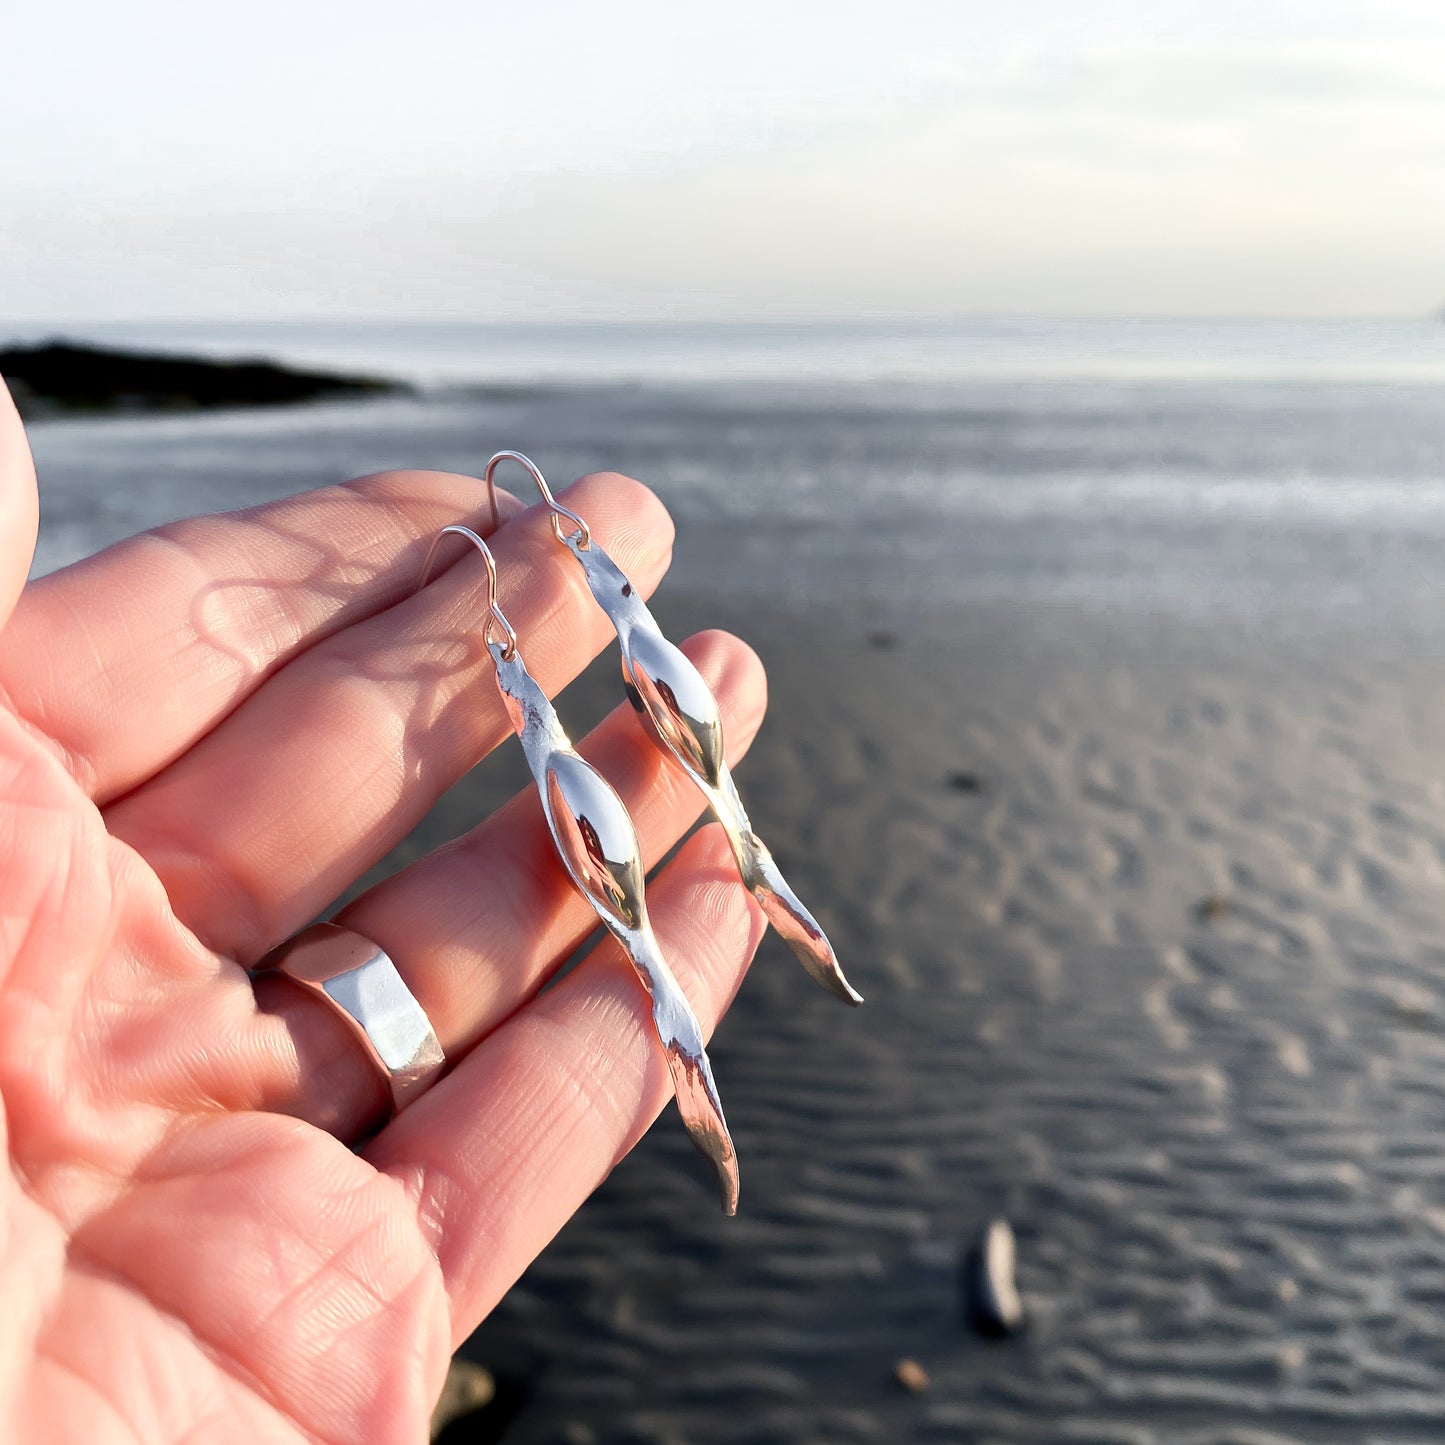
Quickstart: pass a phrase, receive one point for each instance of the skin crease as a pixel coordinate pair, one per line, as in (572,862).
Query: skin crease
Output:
(205,733)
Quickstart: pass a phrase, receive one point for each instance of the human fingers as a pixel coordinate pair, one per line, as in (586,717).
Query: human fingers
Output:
(498,1156)
(477,927)
(330,764)
(125,659)
(19,509)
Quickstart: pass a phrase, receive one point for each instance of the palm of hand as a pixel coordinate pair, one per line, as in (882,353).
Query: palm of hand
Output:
(178,1258)
(193,1266)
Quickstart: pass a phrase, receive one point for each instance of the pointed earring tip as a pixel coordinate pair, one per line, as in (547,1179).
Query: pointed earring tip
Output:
(817,956)
(831,978)
(801,933)
(716,1146)
(702,1116)
(727,1175)
(825,972)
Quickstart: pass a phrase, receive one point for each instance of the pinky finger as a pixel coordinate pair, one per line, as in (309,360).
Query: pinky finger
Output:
(498,1157)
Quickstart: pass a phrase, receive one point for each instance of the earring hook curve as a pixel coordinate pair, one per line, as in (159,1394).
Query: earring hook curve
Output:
(558,511)
(495,615)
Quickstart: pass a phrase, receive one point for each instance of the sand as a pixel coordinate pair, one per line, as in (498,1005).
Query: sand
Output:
(1150,928)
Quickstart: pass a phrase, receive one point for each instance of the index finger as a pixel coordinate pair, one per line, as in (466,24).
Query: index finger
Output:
(125,659)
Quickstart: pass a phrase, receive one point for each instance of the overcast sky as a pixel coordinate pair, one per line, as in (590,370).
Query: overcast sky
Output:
(173,158)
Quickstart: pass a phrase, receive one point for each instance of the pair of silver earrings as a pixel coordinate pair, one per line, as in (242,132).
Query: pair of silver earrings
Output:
(593,832)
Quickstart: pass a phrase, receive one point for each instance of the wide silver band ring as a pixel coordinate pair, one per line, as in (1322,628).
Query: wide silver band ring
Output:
(361,985)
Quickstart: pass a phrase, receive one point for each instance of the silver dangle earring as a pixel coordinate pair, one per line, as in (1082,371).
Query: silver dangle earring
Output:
(681,715)
(597,844)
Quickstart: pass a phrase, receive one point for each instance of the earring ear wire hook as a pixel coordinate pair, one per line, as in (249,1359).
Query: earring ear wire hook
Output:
(495,615)
(558,511)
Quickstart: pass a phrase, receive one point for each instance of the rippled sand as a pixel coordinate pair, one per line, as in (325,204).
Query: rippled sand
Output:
(1153,940)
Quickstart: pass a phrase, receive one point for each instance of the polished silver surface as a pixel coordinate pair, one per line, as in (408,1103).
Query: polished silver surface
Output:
(681,715)
(361,985)
(598,846)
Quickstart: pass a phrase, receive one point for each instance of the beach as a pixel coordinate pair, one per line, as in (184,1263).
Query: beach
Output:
(1152,948)
(1107,740)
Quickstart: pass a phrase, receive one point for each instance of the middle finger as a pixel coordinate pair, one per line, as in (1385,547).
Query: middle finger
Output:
(339,755)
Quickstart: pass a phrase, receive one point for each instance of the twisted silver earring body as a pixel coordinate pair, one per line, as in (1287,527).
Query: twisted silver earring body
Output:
(681,715)
(597,844)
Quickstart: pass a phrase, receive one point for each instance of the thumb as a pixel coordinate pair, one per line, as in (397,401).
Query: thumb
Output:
(19,504)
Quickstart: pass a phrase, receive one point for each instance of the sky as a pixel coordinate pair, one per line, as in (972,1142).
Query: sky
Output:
(640,159)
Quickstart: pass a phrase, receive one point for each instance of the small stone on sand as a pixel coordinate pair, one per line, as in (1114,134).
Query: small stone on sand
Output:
(990,1297)
(965,782)
(468,1388)
(1210,909)
(1291,1358)
(912,1376)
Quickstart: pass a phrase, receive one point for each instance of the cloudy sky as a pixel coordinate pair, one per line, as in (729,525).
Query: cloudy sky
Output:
(647,158)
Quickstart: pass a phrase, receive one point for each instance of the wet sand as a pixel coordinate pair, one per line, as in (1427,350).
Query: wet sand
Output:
(1152,932)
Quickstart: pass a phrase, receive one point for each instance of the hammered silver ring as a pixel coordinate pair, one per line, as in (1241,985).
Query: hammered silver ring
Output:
(360,984)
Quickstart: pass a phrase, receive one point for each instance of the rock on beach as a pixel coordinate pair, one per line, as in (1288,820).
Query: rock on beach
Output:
(990,1297)
(61,377)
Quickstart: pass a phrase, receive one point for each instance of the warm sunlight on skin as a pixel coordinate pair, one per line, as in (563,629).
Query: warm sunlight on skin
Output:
(206,733)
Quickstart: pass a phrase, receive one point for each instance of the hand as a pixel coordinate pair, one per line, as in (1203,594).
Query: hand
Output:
(207,733)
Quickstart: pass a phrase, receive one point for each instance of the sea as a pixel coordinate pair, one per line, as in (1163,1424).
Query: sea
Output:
(1266,474)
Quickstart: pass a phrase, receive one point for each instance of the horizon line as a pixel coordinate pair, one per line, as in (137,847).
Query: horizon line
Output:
(762,320)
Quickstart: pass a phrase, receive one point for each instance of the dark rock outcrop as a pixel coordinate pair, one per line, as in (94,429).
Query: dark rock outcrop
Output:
(63,377)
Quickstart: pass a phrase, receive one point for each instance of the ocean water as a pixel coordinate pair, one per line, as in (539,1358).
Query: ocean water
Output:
(1284,475)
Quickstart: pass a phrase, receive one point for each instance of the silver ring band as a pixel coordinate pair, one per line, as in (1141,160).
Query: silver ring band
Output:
(363,988)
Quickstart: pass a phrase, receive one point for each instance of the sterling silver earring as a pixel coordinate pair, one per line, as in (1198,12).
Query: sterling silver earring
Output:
(681,715)
(597,844)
